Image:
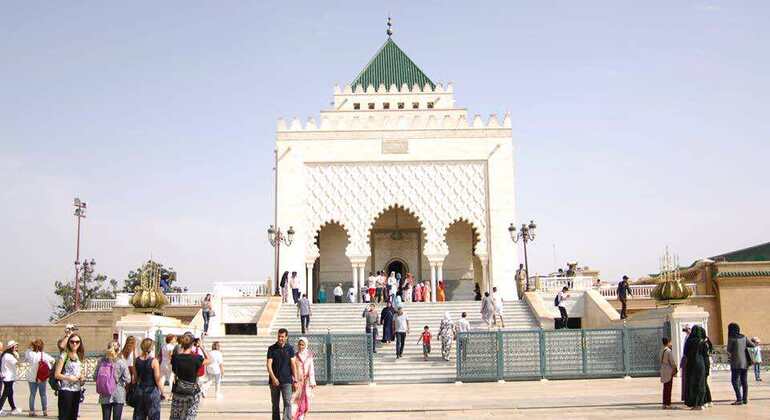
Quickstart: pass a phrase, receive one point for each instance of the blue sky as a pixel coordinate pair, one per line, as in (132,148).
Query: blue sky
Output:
(637,125)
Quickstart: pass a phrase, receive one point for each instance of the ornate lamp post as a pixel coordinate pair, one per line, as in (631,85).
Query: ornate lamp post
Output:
(80,213)
(276,237)
(525,234)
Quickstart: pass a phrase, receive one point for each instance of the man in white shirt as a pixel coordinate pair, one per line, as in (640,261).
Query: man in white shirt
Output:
(401,327)
(463,325)
(380,282)
(294,284)
(560,298)
(338,293)
(352,294)
(498,301)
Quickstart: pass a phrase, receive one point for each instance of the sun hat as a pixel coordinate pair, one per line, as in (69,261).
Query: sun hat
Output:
(11,343)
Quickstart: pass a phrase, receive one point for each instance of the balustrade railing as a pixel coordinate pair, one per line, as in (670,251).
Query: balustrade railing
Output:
(555,284)
(227,289)
(638,291)
(99,305)
(240,289)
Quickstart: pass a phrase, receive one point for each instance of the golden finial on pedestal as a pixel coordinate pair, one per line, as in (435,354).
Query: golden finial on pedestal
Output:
(670,290)
(147,296)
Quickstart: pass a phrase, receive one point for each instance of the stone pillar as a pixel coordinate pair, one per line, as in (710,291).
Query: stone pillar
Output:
(485,275)
(440,278)
(363,278)
(433,267)
(355,281)
(309,291)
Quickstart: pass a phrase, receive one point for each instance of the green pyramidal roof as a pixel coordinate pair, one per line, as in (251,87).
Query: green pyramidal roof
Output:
(391,66)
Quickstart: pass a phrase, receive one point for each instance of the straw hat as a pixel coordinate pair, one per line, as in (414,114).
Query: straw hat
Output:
(10,344)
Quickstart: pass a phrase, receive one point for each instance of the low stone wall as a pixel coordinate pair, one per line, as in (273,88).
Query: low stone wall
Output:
(95,337)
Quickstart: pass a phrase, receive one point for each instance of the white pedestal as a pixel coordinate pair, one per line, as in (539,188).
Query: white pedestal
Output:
(678,316)
(147,325)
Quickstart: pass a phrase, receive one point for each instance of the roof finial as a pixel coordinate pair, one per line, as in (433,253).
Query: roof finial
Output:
(390,28)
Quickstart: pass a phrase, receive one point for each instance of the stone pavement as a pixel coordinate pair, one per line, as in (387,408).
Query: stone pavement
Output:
(636,398)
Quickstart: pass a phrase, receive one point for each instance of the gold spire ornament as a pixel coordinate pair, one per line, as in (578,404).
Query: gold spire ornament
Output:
(670,290)
(148,297)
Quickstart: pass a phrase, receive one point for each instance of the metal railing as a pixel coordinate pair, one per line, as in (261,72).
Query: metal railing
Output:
(610,292)
(533,354)
(555,284)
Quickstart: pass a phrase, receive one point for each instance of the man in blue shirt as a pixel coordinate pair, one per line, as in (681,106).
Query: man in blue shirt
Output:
(281,369)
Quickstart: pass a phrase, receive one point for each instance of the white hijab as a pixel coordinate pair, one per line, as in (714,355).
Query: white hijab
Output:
(447,317)
(304,353)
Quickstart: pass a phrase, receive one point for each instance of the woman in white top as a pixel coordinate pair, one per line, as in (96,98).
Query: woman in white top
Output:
(70,373)
(8,361)
(37,385)
(215,369)
(166,373)
(129,354)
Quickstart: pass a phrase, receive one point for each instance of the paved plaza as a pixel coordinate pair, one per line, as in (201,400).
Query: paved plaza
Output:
(636,398)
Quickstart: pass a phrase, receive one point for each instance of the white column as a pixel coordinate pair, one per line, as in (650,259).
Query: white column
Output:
(362,277)
(432,282)
(310,281)
(355,281)
(485,275)
(440,277)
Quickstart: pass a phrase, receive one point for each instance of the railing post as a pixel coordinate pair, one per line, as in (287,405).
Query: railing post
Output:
(370,343)
(329,358)
(499,348)
(626,351)
(542,353)
(583,351)
(458,350)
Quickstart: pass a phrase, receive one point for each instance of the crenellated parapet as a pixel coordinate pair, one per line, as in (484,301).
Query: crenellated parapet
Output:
(348,89)
(433,121)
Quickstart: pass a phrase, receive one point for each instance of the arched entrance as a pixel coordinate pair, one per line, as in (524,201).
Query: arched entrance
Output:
(397,266)
(461,266)
(332,266)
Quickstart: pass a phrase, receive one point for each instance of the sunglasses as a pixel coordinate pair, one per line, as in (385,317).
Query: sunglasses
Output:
(74,341)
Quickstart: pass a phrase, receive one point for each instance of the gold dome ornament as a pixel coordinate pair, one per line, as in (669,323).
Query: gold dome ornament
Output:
(670,290)
(148,297)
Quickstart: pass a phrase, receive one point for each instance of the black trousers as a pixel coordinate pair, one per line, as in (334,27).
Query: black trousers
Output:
(7,395)
(400,340)
(305,321)
(373,331)
(69,405)
(564,317)
(295,295)
(112,411)
(623,307)
(740,383)
(337,299)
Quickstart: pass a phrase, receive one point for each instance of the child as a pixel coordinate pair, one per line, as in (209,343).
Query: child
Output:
(425,338)
(668,370)
(757,358)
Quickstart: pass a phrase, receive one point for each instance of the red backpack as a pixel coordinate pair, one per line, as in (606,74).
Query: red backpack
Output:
(43,369)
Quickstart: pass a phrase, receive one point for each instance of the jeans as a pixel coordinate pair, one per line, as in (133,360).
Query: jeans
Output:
(740,383)
(295,295)
(276,393)
(69,405)
(112,411)
(206,317)
(667,392)
(305,321)
(564,317)
(212,379)
(400,340)
(40,388)
(757,370)
(7,395)
(373,331)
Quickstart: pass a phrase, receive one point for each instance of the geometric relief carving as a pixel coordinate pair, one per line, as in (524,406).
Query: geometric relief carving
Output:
(354,194)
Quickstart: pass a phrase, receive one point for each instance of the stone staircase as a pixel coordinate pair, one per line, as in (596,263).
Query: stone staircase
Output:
(245,355)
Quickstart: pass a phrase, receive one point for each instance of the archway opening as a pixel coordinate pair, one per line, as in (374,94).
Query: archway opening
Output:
(396,241)
(397,266)
(332,266)
(460,265)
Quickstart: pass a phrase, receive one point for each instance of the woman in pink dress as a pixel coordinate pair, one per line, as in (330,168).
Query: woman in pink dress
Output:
(418,292)
(306,381)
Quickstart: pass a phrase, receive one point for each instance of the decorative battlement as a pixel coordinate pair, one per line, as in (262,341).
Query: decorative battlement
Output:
(389,122)
(359,89)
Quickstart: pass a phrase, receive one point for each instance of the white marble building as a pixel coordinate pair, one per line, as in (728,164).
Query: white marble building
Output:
(396,177)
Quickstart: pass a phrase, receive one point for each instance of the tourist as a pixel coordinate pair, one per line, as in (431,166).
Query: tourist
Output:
(737,345)
(372,283)
(561,297)
(216,369)
(426,292)
(37,376)
(487,310)
(2,348)
(166,373)
(425,340)
(667,371)
(624,291)
(398,303)
(69,329)
(440,292)
(477,292)
(463,325)
(111,387)
(406,294)
(305,382)
(400,280)
(201,374)
(386,319)
(284,285)
(756,358)
(148,386)
(372,320)
(294,283)
(683,362)
(418,289)
(128,354)
(697,365)
(380,285)
(186,395)
(207,311)
(321,295)
(338,293)
(401,327)
(352,294)
(303,312)
(497,299)
(8,361)
(281,368)
(364,294)
(521,280)
(446,332)
(70,372)
(392,286)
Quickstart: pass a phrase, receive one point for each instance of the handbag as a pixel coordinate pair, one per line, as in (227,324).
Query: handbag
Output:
(182,387)
(132,396)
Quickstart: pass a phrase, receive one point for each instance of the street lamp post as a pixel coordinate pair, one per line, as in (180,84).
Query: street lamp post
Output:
(85,268)
(80,213)
(525,234)
(276,237)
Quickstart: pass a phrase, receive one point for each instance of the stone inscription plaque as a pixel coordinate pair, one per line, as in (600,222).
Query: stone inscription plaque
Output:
(395,146)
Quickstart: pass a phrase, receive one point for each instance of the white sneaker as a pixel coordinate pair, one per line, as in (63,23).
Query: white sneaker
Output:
(17,412)
(3,413)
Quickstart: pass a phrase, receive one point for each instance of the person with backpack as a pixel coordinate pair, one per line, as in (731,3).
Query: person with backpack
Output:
(111,376)
(148,386)
(8,362)
(69,376)
(559,302)
(40,366)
